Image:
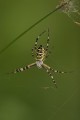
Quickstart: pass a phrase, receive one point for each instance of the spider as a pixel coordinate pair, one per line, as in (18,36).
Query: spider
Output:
(40,53)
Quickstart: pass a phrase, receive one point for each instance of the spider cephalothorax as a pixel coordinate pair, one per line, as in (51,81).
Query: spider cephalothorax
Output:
(40,53)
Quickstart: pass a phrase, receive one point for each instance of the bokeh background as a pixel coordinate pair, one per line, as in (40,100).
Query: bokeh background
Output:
(31,95)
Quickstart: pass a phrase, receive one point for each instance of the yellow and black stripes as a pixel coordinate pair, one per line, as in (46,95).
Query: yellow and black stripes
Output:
(50,74)
(47,41)
(32,52)
(21,69)
(35,46)
(57,71)
(51,69)
(40,53)
(24,68)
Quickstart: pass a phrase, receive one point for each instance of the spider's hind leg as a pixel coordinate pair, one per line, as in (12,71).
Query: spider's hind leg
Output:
(50,74)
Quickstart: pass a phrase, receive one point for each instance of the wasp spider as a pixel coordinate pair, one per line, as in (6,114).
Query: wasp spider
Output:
(40,53)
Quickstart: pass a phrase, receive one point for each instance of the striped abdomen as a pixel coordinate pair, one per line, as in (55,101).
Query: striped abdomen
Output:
(40,55)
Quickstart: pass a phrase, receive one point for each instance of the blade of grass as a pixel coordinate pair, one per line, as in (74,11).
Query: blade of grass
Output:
(32,26)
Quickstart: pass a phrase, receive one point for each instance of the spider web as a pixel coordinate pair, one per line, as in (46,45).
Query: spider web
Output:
(60,108)
(66,101)
(72,9)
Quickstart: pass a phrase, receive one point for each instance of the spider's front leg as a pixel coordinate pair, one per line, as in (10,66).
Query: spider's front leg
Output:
(23,68)
(34,49)
(36,42)
(48,39)
(33,52)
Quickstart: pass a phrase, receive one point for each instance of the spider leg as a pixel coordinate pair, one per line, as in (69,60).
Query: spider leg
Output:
(23,68)
(32,52)
(51,69)
(35,46)
(50,74)
(47,46)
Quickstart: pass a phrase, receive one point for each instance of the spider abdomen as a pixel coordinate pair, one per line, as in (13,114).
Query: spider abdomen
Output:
(40,54)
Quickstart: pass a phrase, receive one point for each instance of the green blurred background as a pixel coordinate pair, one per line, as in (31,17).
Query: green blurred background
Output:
(31,95)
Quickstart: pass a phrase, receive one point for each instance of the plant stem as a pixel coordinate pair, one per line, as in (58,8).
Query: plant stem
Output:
(32,26)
